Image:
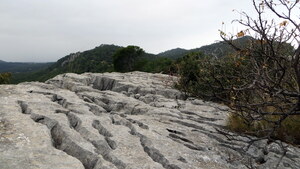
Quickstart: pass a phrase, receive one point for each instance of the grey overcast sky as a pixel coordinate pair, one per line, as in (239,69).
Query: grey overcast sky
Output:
(46,30)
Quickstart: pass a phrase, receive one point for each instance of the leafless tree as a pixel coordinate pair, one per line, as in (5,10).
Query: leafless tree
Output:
(271,93)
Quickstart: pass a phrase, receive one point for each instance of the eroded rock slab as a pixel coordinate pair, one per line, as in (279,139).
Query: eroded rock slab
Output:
(134,120)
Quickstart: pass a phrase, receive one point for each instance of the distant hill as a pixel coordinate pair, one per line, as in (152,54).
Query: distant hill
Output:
(94,60)
(17,67)
(222,48)
(218,49)
(100,59)
(174,53)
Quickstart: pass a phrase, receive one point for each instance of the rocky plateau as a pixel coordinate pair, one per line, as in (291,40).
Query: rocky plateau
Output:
(133,120)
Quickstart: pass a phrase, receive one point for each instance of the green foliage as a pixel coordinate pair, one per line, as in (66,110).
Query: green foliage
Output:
(153,65)
(125,58)
(174,53)
(5,78)
(218,49)
(221,49)
(97,60)
(210,78)
(100,59)
(17,67)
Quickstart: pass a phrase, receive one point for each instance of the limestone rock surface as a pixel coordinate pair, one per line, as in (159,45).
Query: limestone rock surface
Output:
(125,121)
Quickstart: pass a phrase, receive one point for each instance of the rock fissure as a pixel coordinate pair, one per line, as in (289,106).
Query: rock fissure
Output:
(118,121)
(102,130)
(61,140)
(146,143)
(102,148)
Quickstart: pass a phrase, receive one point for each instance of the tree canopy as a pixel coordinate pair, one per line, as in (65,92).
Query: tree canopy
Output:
(125,58)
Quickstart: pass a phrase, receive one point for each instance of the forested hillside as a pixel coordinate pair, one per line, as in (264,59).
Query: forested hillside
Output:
(218,49)
(98,59)
(101,59)
(174,53)
(16,67)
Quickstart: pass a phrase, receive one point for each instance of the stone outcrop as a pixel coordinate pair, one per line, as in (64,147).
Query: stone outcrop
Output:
(70,58)
(112,120)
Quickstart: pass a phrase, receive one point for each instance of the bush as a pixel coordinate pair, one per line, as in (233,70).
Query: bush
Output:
(211,78)
(155,65)
(5,78)
(256,109)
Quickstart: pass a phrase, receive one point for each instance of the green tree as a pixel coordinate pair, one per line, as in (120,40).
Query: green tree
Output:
(124,59)
(5,78)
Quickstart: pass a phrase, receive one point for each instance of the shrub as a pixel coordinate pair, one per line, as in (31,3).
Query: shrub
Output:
(256,109)
(211,78)
(261,82)
(5,78)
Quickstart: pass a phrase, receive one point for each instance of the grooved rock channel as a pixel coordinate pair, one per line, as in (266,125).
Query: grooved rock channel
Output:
(124,121)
